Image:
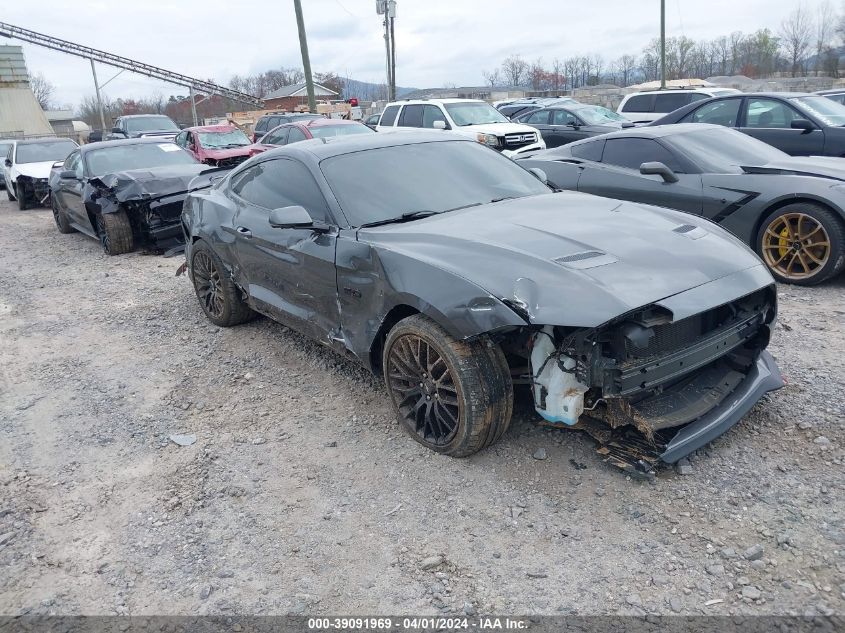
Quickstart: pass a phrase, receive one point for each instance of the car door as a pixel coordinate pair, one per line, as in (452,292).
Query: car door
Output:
(566,128)
(70,190)
(288,273)
(541,120)
(770,120)
(618,176)
(295,134)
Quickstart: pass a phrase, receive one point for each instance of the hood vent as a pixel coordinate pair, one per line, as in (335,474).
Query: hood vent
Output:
(585,259)
(690,231)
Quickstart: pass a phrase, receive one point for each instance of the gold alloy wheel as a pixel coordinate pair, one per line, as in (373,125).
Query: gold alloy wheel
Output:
(796,246)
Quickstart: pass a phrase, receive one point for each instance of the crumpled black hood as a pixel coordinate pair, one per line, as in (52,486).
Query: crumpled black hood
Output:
(571,258)
(141,184)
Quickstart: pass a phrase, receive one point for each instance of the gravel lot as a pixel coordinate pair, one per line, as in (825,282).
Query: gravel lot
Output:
(302,495)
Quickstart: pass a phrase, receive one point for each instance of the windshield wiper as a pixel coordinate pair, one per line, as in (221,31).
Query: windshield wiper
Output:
(405,217)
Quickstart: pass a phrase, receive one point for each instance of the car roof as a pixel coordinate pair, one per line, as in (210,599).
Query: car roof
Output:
(656,131)
(223,127)
(43,139)
(322,148)
(124,141)
(832,91)
(141,116)
(420,101)
(705,89)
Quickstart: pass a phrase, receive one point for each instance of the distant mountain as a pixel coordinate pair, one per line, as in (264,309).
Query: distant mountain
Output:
(366,91)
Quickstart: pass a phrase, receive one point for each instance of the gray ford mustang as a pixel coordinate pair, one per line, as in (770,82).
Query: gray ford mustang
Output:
(454,273)
(791,210)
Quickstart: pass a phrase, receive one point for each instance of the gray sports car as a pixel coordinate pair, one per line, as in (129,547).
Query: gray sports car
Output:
(443,266)
(791,210)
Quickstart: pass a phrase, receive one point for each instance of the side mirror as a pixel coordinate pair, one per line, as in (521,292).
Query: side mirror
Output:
(68,174)
(803,124)
(116,130)
(658,169)
(294,217)
(439,125)
(540,174)
(7,163)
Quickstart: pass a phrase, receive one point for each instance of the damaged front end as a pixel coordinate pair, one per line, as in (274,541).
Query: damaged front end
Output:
(650,388)
(33,189)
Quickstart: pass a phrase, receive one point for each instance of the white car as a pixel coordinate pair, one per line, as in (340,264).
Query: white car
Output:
(27,168)
(650,105)
(473,118)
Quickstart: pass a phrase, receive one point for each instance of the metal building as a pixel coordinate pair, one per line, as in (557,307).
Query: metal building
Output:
(20,114)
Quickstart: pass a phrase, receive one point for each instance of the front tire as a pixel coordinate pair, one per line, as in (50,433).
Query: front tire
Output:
(218,295)
(21,198)
(802,243)
(60,217)
(454,397)
(115,233)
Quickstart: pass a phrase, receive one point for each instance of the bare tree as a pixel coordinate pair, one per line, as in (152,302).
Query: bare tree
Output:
(796,33)
(515,70)
(825,26)
(42,89)
(492,77)
(626,65)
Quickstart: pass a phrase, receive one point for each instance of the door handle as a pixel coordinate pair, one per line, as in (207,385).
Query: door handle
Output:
(242,230)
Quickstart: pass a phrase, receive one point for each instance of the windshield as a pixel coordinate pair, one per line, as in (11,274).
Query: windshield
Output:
(151,124)
(43,152)
(828,111)
(223,140)
(329,131)
(474,113)
(4,149)
(141,156)
(723,151)
(384,183)
(596,115)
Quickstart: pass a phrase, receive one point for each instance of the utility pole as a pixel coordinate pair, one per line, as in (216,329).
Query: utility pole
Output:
(391,11)
(99,99)
(306,62)
(193,105)
(387,8)
(662,44)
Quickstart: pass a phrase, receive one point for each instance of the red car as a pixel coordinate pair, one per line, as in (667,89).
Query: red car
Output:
(217,145)
(315,128)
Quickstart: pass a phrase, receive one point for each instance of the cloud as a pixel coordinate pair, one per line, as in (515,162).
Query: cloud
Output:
(438,41)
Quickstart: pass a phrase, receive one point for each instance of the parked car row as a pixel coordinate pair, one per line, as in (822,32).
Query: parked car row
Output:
(623,277)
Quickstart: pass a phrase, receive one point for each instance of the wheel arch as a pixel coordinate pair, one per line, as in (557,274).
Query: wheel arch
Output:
(786,201)
(396,314)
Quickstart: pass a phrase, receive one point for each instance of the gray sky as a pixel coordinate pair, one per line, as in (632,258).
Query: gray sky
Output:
(438,41)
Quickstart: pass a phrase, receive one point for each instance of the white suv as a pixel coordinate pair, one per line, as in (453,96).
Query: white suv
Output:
(473,118)
(650,105)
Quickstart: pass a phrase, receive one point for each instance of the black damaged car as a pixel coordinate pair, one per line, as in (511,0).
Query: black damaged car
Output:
(125,193)
(456,274)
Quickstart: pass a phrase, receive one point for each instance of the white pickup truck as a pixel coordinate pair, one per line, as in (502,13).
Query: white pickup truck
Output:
(469,117)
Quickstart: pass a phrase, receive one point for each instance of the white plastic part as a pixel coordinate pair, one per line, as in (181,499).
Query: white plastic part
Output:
(564,400)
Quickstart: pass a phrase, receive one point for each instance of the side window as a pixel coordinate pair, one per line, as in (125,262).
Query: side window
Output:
(278,136)
(69,161)
(588,151)
(562,117)
(769,113)
(412,116)
(189,140)
(671,101)
(639,103)
(261,126)
(432,113)
(538,117)
(296,135)
(723,112)
(180,139)
(633,152)
(281,183)
(77,165)
(698,96)
(388,117)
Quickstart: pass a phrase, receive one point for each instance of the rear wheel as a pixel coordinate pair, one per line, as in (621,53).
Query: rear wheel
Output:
(218,295)
(115,232)
(60,217)
(802,243)
(454,397)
